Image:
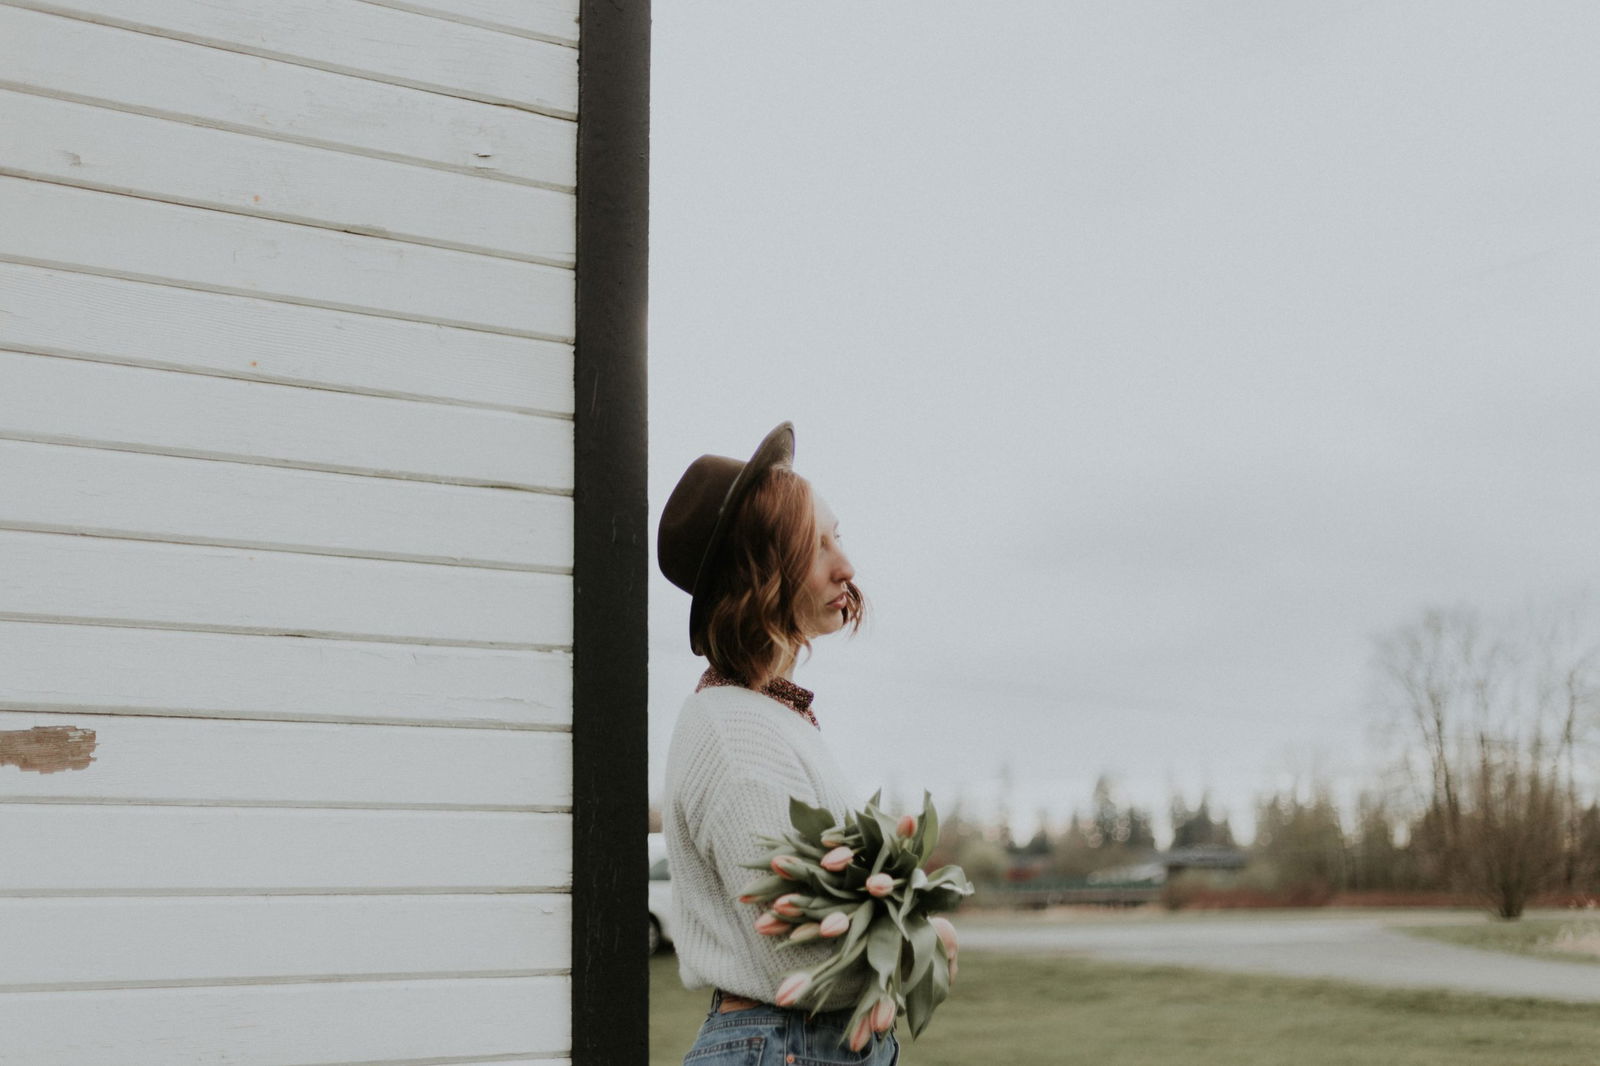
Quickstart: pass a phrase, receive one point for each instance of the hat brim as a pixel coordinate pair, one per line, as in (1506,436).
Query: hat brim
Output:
(775,449)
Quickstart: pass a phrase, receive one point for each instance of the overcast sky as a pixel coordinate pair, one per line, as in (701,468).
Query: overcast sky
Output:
(1155,358)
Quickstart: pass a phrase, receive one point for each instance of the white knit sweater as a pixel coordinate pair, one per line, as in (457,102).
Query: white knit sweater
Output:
(736,758)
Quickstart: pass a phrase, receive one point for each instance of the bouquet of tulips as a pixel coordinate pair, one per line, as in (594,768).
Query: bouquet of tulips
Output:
(861,884)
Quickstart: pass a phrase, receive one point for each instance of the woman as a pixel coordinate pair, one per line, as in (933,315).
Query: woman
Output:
(759,553)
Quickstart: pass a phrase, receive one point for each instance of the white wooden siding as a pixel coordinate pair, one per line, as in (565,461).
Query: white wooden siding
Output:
(165,850)
(53,312)
(242,504)
(361,39)
(68,943)
(122,236)
(95,148)
(76,401)
(106,581)
(270,1025)
(48,55)
(545,20)
(286,523)
(199,762)
(121,670)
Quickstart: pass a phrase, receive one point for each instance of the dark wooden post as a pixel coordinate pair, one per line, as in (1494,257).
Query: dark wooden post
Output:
(610,977)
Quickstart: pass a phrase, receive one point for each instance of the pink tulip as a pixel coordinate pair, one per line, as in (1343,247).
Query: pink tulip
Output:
(793,987)
(907,826)
(787,867)
(788,906)
(835,924)
(806,931)
(832,838)
(861,1033)
(837,859)
(952,970)
(882,1015)
(770,924)
(880,885)
(947,933)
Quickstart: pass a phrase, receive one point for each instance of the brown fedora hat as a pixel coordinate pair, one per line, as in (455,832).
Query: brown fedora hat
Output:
(695,521)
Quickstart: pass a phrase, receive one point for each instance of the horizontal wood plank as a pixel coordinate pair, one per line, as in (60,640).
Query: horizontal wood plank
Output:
(99,148)
(48,576)
(105,670)
(61,488)
(89,941)
(269,1025)
(129,759)
(75,849)
(59,312)
(123,236)
(74,401)
(365,40)
(78,60)
(548,20)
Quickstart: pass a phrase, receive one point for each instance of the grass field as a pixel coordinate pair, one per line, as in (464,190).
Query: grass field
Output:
(1571,939)
(1064,1010)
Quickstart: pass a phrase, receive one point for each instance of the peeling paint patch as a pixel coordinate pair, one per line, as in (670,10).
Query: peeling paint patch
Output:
(44,749)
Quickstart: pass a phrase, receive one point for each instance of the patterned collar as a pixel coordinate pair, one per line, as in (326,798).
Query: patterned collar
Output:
(783,690)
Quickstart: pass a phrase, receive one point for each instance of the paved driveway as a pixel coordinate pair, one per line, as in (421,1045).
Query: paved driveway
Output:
(1357,948)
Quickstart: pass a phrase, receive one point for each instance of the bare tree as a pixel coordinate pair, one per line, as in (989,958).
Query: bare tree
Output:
(1513,825)
(1493,717)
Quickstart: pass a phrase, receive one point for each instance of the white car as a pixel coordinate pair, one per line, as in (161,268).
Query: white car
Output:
(660,895)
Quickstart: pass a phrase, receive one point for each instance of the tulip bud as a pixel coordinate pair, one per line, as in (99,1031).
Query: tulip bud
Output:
(793,987)
(861,1033)
(837,859)
(788,867)
(880,885)
(770,924)
(952,969)
(806,931)
(947,933)
(907,826)
(789,905)
(835,924)
(832,838)
(883,1013)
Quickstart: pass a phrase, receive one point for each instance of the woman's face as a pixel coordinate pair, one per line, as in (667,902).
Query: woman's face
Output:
(823,606)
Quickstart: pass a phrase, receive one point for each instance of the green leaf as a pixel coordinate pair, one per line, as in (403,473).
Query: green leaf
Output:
(831,887)
(910,898)
(924,941)
(883,950)
(765,888)
(919,1005)
(940,974)
(896,914)
(810,822)
(950,876)
(871,836)
(928,831)
(860,918)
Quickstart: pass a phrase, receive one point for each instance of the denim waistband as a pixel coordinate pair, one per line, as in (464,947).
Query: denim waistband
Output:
(837,1018)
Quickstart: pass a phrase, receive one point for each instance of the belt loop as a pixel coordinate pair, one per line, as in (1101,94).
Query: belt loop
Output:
(716,1002)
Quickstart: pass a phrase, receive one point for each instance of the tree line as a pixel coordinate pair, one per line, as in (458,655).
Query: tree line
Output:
(1490,792)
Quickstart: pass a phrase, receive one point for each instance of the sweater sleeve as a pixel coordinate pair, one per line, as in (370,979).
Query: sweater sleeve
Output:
(744,808)
(747,804)
(732,768)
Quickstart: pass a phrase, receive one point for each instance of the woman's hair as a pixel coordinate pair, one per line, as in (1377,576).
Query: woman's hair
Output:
(753,624)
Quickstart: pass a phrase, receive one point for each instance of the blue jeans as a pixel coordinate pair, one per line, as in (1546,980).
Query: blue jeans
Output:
(773,1036)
